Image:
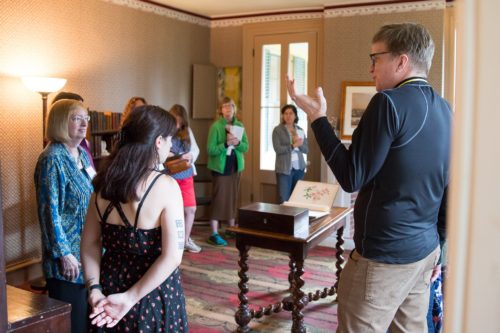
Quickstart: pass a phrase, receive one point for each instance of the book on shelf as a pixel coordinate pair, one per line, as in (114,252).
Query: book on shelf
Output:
(103,127)
(316,196)
(101,121)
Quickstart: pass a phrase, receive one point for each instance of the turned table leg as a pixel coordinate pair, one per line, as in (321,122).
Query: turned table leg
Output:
(298,299)
(339,255)
(291,264)
(243,315)
(288,301)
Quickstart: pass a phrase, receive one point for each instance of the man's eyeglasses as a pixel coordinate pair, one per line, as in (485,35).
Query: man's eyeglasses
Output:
(79,119)
(373,55)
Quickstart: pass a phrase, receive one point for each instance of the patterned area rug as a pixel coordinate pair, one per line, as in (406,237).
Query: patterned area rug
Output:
(210,281)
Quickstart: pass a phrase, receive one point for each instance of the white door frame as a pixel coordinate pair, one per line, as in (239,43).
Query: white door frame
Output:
(248,107)
(472,301)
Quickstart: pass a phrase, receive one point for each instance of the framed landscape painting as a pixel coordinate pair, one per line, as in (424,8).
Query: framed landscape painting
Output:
(355,99)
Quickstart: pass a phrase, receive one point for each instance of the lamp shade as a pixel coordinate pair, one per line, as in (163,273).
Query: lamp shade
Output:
(43,84)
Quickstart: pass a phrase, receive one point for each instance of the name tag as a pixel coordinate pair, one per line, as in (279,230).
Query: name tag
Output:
(90,171)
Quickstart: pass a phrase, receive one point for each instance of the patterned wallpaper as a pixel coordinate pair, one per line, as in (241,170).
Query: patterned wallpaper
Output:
(108,53)
(110,50)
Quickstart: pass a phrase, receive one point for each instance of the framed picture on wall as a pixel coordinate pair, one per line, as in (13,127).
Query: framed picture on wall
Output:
(229,84)
(355,99)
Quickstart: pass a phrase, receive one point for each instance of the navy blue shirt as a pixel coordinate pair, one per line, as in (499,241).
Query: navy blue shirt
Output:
(399,162)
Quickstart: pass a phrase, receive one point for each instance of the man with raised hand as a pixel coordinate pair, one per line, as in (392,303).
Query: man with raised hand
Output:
(399,162)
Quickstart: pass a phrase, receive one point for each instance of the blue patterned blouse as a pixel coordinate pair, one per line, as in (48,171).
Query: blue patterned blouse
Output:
(63,193)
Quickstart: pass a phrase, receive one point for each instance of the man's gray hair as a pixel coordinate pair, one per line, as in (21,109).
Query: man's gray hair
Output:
(411,39)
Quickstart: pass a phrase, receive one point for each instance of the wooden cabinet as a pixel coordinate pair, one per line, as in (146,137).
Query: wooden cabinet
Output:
(29,312)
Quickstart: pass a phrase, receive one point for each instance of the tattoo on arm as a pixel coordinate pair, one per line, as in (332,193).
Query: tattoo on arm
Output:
(180,233)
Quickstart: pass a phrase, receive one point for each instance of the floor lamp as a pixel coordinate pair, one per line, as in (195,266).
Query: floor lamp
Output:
(44,86)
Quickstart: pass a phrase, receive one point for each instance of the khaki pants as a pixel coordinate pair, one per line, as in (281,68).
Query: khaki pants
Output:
(374,297)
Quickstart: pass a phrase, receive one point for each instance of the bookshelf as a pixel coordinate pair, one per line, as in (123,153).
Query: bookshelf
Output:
(104,126)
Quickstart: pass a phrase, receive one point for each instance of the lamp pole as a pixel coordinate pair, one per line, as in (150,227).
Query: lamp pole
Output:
(44,112)
(44,86)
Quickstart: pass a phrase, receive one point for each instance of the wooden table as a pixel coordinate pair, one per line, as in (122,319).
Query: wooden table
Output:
(30,312)
(297,248)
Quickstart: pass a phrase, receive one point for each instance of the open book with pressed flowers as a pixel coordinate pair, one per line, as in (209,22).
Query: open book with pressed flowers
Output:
(315,196)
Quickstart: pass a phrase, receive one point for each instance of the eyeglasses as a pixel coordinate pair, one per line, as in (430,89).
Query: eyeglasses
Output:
(79,119)
(228,105)
(373,55)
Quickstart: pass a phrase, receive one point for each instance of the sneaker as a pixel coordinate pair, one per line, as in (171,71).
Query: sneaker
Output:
(229,234)
(216,240)
(191,246)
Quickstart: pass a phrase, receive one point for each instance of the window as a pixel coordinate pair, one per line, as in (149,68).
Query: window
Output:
(273,96)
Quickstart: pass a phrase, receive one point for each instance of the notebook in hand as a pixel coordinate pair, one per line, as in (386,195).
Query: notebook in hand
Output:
(315,196)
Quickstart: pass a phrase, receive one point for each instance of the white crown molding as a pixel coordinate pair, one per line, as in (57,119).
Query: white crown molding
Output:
(324,13)
(156,9)
(222,23)
(385,9)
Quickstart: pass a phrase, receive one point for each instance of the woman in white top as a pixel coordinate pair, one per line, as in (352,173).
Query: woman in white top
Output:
(184,145)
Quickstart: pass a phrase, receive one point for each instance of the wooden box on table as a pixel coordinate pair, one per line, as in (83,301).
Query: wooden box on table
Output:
(291,221)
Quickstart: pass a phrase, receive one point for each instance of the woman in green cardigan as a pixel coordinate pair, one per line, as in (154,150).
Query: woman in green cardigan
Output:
(226,144)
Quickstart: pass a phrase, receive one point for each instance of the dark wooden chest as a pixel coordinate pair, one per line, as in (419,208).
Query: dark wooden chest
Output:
(275,218)
(29,313)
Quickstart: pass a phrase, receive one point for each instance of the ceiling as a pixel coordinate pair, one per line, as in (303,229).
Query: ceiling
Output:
(225,8)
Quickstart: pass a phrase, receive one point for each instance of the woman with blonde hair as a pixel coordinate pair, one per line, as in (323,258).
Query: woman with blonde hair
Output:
(184,145)
(226,144)
(63,177)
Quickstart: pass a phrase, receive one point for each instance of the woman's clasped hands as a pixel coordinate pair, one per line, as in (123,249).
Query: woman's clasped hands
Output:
(108,311)
(297,141)
(232,140)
